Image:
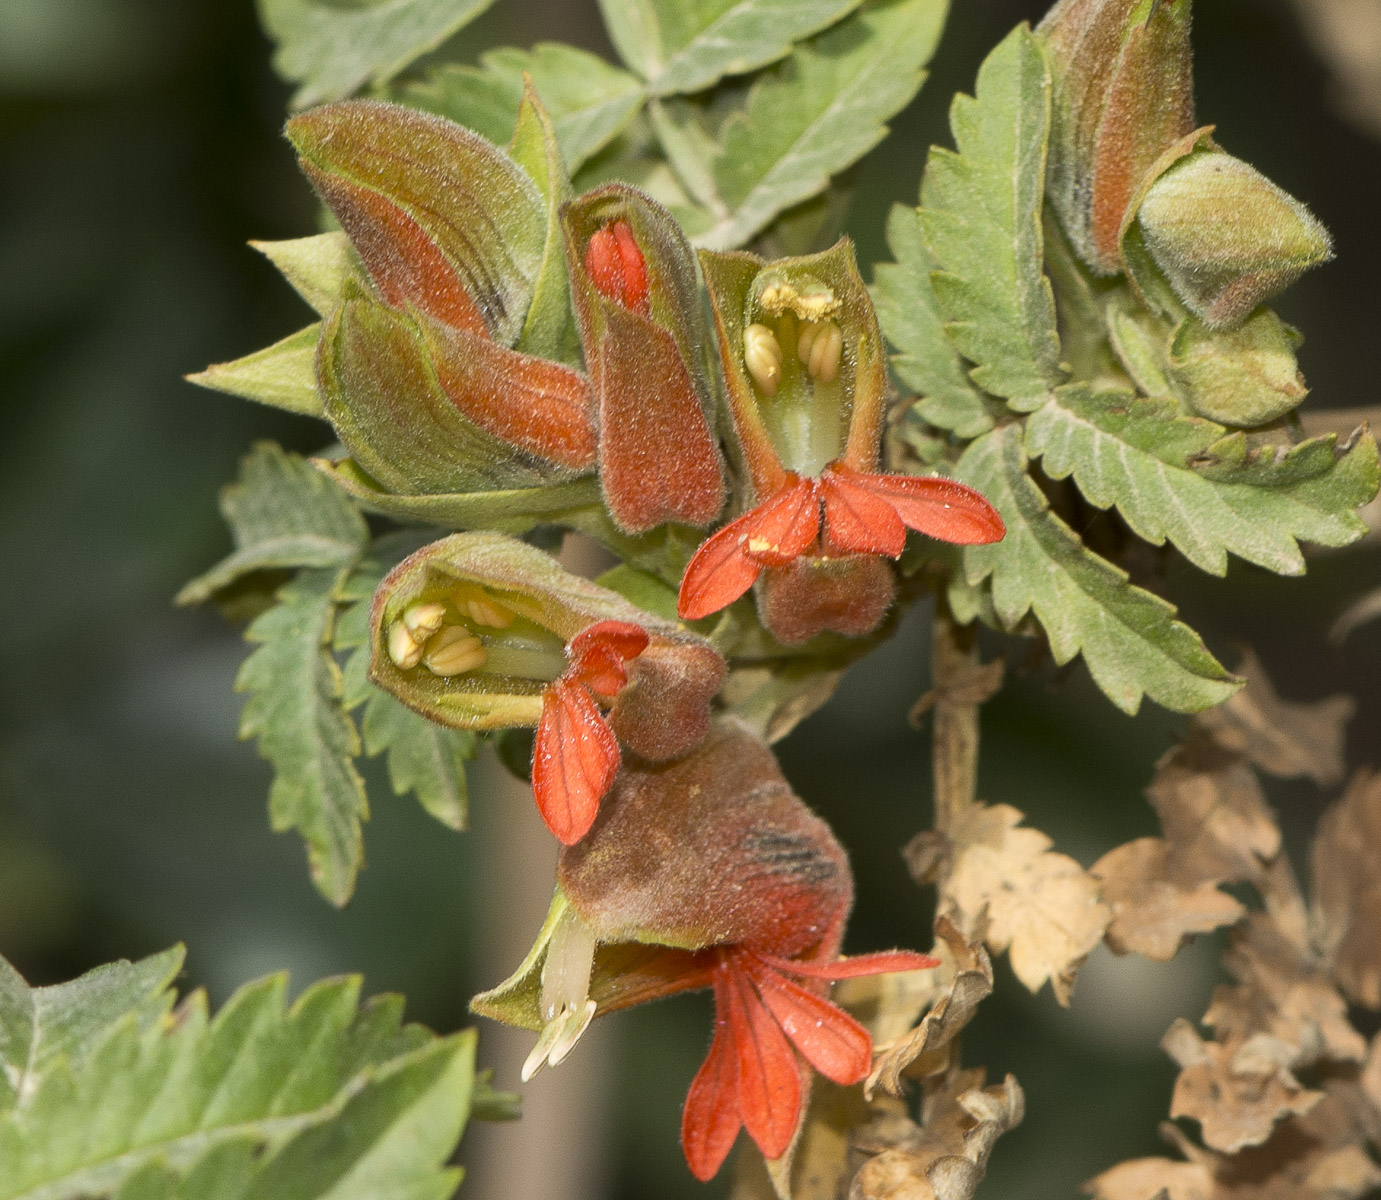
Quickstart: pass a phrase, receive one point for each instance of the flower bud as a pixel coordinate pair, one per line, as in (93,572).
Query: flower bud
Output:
(425,408)
(1245,377)
(639,311)
(1122,93)
(1226,237)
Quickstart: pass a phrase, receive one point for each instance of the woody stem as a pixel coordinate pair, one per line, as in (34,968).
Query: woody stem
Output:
(954,731)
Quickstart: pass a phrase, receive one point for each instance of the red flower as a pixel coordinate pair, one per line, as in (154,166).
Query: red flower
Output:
(751,1076)
(862,514)
(576,755)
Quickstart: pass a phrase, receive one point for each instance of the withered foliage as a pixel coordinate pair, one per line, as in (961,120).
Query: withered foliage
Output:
(1286,1093)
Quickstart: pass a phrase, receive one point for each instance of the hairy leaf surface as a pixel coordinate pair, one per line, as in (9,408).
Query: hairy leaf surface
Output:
(910,317)
(282,375)
(819,111)
(1129,638)
(282,512)
(1139,454)
(981,213)
(330,49)
(326,1099)
(295,711)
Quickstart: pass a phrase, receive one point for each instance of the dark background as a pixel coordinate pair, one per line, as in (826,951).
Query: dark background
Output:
(139,149)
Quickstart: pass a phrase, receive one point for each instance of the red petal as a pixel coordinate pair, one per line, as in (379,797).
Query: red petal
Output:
(849,968)
(598,652)
(787,524)
(769,1079)
(939,508)
(710,1120)
(856,521)
(634,268)
(720,571)
(574,761)
(828,1038)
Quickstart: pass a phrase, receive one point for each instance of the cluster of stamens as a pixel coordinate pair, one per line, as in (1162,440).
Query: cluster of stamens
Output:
(803,317)
(426,635)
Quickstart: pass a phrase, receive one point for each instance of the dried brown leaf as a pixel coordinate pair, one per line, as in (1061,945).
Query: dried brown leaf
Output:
(1154,1179)
(964,979)
(1152,914)
(1215,817)
(1285,739)
(1238,1092)
(1043,906)
(1347,889)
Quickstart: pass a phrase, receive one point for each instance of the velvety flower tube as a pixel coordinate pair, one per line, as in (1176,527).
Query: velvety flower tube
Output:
(637,300)
(707,872)
(804,369)
(450,234)
(481,631)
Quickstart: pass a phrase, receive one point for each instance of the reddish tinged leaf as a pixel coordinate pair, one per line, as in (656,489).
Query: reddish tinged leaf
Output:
(769,1079)
(406,265)
(773,534)
(574,762)
(543,407)
(710,1121)
(828,1038)
(939,508)
(598,653)
(882,963)
(858,522)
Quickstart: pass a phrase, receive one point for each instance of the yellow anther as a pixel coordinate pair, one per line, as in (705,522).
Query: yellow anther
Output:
(403,649)
(762,355)
(454,651)
(820,347)
(486,611)
(809,299)
(423,620)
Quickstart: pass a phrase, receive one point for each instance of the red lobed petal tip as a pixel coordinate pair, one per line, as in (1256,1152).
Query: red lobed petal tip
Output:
(710,1120)
(857,521)
(574,760)
(769,1078)
(828,1038)
(597,654)
(939,508)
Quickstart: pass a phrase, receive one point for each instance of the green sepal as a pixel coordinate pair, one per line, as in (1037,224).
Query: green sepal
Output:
(1246,376)
(282,514)
(1129,638)
(807,422)
(981,214)
(317,266)
(282,375)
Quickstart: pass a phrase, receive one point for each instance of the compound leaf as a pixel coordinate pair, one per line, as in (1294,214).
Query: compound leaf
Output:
(326,1099)
(1128,637)
(282,513)
(295,710)
(819,111)
(981,213)
(331,48)
(926,359)
(1139,454)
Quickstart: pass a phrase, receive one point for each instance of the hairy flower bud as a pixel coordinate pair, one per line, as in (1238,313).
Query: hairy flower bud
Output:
(1226,237)
(639,311)
(1245,377)
(1123,93)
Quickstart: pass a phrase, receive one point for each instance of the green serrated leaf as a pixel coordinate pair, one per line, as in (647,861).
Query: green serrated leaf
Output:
(332,48)
(282,513)
(1139,455)
(423,757)
(981,213)
(590,102)
(317,267)
(1128,637)
(687,45)
(282,375)
(40,1026)
(819,111)
(294,709)
(926,359)
(326,1100)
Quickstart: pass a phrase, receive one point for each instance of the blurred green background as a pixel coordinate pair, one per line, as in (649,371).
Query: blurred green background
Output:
(139,149)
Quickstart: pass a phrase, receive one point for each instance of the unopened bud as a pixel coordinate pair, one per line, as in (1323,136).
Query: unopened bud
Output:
(1245,377)
(454,651)
(762,355)
(403,649)
(821,346)
(616,266)
(1226,237)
